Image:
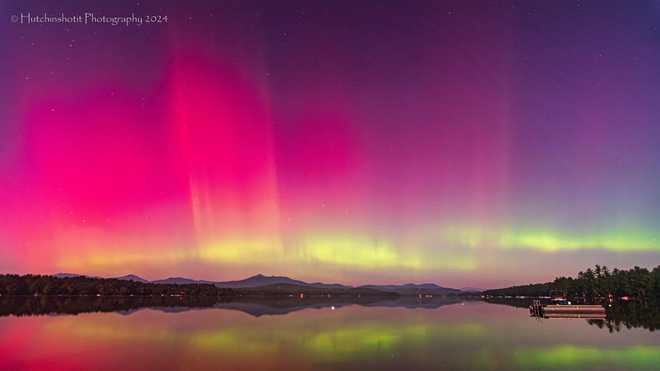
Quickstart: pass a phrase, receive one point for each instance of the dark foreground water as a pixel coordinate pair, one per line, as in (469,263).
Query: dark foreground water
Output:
(284,336)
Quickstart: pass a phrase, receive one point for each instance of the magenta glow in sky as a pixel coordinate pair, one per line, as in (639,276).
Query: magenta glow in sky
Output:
(469,145)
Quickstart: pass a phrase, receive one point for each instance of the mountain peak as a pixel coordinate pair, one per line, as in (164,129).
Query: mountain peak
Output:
(259,280)
(66,275)
(132,277)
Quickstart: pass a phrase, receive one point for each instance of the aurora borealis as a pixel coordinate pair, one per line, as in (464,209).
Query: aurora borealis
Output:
(465,143)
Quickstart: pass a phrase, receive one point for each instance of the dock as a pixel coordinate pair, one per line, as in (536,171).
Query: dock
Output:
(566,310)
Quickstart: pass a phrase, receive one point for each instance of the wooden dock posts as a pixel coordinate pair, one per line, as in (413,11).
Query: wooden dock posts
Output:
(536,309)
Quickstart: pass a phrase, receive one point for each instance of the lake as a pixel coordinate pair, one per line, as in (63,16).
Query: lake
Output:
(470,335)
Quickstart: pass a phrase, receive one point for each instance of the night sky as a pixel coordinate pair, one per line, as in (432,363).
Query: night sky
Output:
(467,143)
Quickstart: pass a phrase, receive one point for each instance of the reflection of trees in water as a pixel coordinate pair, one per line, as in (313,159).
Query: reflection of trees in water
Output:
(256,306)
(630,315)
(41,305)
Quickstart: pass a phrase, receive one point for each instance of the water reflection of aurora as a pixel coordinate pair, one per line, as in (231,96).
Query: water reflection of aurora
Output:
(473,336)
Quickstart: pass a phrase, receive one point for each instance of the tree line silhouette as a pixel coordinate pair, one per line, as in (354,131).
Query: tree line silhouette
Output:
(595,285)
(13,284)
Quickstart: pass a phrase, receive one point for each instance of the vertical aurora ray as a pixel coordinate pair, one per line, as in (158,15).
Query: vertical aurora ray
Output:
(222,132)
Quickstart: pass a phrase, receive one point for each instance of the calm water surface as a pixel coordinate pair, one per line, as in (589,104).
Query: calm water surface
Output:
(462,336)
